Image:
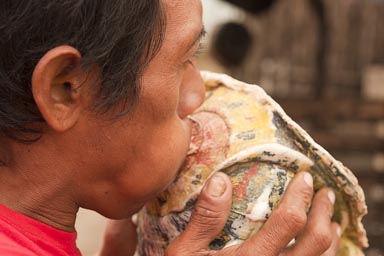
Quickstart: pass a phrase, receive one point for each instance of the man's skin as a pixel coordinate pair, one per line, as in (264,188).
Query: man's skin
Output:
(113,166)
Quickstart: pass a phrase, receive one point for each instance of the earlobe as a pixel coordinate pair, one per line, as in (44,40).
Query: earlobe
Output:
(55,87)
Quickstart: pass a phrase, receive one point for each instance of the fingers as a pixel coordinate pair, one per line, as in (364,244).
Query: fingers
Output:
(319,233)
(335,245)
(285,222)
(316,235)
(212,209)
(120,238)
(208,218)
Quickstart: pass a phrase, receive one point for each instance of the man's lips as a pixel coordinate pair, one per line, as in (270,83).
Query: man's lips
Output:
(197,137)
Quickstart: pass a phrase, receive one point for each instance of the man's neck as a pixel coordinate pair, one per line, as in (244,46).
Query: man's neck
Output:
(43,195)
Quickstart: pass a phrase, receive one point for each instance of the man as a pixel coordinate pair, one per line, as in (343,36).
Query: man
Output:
(95,97)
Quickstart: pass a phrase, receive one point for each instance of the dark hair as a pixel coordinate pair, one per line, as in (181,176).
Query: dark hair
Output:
(120,36)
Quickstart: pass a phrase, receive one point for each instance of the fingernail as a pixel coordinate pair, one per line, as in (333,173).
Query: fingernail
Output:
(308,179)
(338,231)
(331,196)
(216,186)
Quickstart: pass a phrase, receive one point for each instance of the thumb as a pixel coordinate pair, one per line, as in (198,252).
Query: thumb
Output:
(210,213)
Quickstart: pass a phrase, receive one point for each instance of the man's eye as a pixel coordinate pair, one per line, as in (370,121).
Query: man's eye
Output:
(199,50)
(197,53)
(190,61)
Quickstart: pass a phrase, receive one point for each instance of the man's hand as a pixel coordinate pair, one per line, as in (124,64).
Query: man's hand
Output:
(315,234)
(120,238)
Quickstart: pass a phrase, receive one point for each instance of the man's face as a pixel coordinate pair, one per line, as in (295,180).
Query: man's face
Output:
(139,154)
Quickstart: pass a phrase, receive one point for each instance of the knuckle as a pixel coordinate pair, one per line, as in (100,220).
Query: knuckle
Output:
(306,194)
(297,219)
(296,216)
(205,213)
(291,219)
(207,220)
(322,236)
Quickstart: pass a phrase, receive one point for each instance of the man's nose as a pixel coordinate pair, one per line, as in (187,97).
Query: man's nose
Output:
(192,92)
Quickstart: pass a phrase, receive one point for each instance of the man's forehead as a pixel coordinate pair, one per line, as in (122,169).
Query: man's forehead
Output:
(184,20)
(189,9)
(171,3)
(176,3)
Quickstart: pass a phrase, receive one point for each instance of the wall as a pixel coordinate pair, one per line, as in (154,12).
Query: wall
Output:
(323,61)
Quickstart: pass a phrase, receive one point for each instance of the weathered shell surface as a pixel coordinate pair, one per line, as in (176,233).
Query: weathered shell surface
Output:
(241,131)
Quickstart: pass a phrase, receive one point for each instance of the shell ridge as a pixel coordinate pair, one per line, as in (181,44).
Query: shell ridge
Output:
(351,188)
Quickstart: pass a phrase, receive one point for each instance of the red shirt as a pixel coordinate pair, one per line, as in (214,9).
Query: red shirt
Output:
(24,236)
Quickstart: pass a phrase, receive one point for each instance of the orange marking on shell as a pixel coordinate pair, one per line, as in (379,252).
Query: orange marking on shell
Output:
(241,190)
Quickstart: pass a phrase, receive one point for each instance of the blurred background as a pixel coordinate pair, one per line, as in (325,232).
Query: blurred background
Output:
(323,62)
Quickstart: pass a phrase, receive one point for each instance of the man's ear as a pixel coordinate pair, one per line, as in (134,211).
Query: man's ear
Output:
(56,87)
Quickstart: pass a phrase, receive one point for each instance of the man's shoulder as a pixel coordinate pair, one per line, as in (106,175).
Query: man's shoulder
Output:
(23,236)
(10,246)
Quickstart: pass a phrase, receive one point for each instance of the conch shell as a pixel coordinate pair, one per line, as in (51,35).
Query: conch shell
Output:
(241,131)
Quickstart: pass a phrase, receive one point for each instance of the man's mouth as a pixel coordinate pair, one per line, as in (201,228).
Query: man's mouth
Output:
(197,137)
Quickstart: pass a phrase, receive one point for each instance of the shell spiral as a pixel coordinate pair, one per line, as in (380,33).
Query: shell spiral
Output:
(241,131)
